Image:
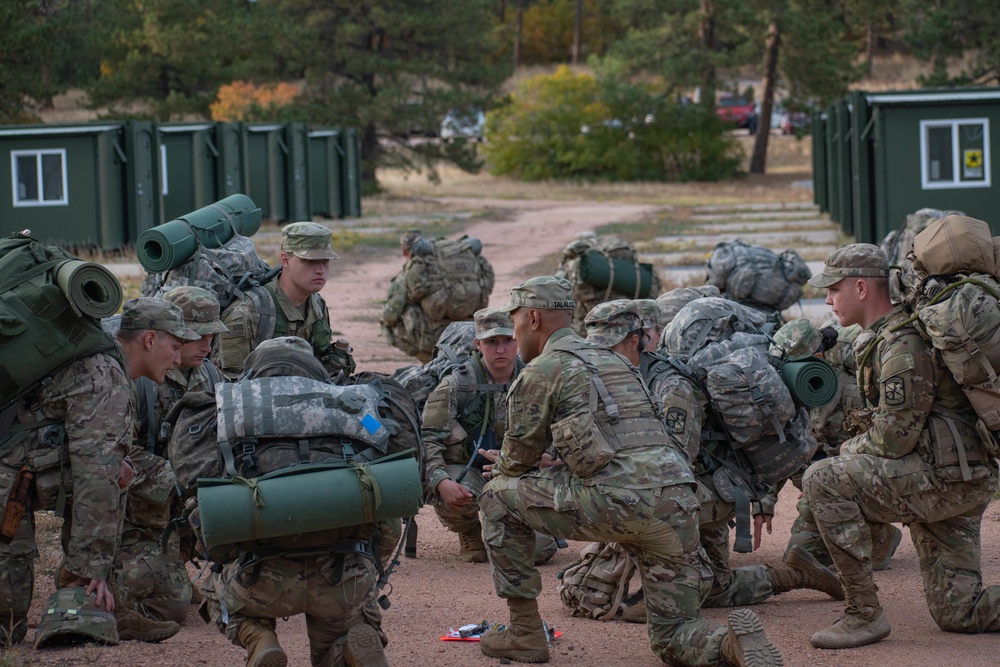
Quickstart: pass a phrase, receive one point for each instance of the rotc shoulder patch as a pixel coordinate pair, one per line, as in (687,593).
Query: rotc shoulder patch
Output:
(676,420)
(894,390)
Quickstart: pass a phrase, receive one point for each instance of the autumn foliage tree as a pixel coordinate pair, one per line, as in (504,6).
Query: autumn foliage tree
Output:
(246,101)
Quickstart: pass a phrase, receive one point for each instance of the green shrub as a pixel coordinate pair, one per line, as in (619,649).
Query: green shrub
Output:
(578,126)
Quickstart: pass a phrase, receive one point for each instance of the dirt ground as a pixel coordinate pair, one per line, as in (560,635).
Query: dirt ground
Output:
(437,591)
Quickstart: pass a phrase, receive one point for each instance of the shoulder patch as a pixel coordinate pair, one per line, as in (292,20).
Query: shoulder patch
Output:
(894,391)
(675,420)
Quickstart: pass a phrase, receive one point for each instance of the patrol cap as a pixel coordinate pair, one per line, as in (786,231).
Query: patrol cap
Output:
(408,237)
(200,308)
(796,339)
(147,312)
(650,313)
(858,260)
(608,323)
(71,616)
(308,240)
(492,322)
(671,302)
(543,292)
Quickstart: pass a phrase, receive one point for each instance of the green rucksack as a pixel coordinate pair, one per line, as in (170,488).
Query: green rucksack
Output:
(50,309)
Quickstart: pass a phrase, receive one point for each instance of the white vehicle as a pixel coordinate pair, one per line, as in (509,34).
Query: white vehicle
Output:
(463,124)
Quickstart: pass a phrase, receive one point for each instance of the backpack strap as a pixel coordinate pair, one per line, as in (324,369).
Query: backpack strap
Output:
(147,392)
(214,375)
(266,303)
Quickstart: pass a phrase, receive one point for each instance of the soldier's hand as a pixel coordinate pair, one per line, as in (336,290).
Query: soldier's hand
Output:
(760,521)
(491,455)
(126,476)
(100,589)
(454,493)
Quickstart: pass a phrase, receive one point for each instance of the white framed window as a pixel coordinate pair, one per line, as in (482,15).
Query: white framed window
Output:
(955,153)
(163,170)
(39,177)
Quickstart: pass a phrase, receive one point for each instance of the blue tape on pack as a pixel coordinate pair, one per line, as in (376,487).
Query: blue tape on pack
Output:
(371,424)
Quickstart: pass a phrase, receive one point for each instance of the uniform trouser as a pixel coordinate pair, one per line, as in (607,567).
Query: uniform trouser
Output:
(657,527)
(282,587)
(17,579)
(846,492)
(149,581)
(730,588)
(466,518)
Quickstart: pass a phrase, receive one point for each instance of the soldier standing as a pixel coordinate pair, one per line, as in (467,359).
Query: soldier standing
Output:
(465,413)
(290,305)
(921,462)
(621,480)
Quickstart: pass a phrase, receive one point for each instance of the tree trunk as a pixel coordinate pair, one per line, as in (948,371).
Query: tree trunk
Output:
(869,46)
(502,12)
(759,159)
(577,27)
(519,30)
(706,32)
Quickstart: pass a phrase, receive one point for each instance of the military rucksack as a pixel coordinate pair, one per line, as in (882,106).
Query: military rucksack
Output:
(227,272)
(453,348)
(450,279)
(50,307)
(756,276)
(601,269)
(597,583)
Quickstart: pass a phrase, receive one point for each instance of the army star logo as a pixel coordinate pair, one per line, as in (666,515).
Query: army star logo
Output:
(895,391)
(675,420)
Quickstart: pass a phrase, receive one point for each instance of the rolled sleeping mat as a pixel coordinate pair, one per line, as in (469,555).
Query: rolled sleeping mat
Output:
(307,498)
(596,271)
(90,288)
(812,381)
(169,245)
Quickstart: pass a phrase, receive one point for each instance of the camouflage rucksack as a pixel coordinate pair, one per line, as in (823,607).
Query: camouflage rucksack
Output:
(450,279)
(597,583)
(453,348)
(756,276)
(601,269)
(228,272)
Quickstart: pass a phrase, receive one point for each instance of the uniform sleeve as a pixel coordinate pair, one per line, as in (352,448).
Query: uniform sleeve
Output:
(531,409)
(683,413)
(233,346)
(906,394)
(99,426)
(439,419)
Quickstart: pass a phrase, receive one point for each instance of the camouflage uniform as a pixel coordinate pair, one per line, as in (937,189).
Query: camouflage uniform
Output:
(90,409)
(641,498)
(453,428)
(920,462)
(310,321)
(335,589)
(147,579)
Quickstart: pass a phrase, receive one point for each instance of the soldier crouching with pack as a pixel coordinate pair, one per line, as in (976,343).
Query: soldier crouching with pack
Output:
(327,573)
(622,481)
(922,461)
(465,413)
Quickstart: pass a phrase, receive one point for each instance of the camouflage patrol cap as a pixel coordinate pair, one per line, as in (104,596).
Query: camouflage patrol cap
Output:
(308,240)
(608,323)
(543,292)
(671,302)
(408,237)
(285,356)
(148,312)
(492,322)
(73,617)
(200,308)
(650,313)
(858,260)
(796,339)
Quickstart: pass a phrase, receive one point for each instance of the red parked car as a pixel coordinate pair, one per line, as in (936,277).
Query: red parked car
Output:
(738,111)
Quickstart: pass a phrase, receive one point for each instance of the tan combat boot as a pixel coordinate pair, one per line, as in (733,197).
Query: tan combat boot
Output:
(786,578)
(472,549)
(813,574)
(523,640)
(635,613)
(885,541)
(134,626)
(746,645)
(863,622)
(261,644)
(364,648)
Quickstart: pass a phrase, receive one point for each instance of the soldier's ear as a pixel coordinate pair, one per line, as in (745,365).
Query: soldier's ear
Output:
(148,339)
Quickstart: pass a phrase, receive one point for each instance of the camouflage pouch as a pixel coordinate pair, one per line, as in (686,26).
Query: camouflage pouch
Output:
(582,444)
(597,583)
(858,421)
